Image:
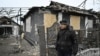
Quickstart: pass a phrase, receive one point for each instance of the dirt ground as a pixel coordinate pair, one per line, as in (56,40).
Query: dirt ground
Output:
(9,47)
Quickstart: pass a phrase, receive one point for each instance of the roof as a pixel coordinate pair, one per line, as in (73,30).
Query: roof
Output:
(8,19)
(30,11)
(6,26)
(55,6)
(67,8)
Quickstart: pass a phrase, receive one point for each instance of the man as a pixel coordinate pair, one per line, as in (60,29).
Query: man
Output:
(66,43)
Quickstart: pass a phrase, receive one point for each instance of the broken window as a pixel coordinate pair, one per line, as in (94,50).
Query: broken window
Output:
(5,30)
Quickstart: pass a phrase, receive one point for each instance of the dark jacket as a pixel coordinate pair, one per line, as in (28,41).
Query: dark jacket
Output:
(66,41)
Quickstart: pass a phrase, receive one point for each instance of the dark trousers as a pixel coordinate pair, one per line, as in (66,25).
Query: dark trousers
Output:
(64,53)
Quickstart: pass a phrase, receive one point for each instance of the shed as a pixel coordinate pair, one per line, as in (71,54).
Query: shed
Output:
(8,27)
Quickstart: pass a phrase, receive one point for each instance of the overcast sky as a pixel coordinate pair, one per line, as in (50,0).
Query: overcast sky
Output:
(31,3)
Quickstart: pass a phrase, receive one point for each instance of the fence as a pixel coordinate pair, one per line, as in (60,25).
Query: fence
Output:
(89,52)
(88,38)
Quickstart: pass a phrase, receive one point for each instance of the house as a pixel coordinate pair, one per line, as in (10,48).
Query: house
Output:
(50,16)
(8,27)
(80,19)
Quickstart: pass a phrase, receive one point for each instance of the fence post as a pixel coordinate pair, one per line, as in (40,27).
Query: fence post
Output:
(42,42)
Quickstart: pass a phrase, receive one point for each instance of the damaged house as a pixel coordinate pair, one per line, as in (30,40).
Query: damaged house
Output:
(8,27)
(49,18)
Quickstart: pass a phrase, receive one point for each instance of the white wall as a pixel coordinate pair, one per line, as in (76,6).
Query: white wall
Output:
(15,30)
(88,23)
(28,24)
(59,17)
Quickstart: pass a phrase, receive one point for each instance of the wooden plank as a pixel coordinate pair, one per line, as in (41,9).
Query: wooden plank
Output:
(75,22)
(49,19)
(6,25)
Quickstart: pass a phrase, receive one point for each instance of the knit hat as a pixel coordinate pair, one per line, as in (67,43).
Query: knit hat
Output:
(63,22)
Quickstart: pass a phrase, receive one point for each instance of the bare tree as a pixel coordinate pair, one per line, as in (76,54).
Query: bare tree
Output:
(6,12)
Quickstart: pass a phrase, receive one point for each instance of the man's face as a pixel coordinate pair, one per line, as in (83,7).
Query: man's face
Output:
(63,26)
